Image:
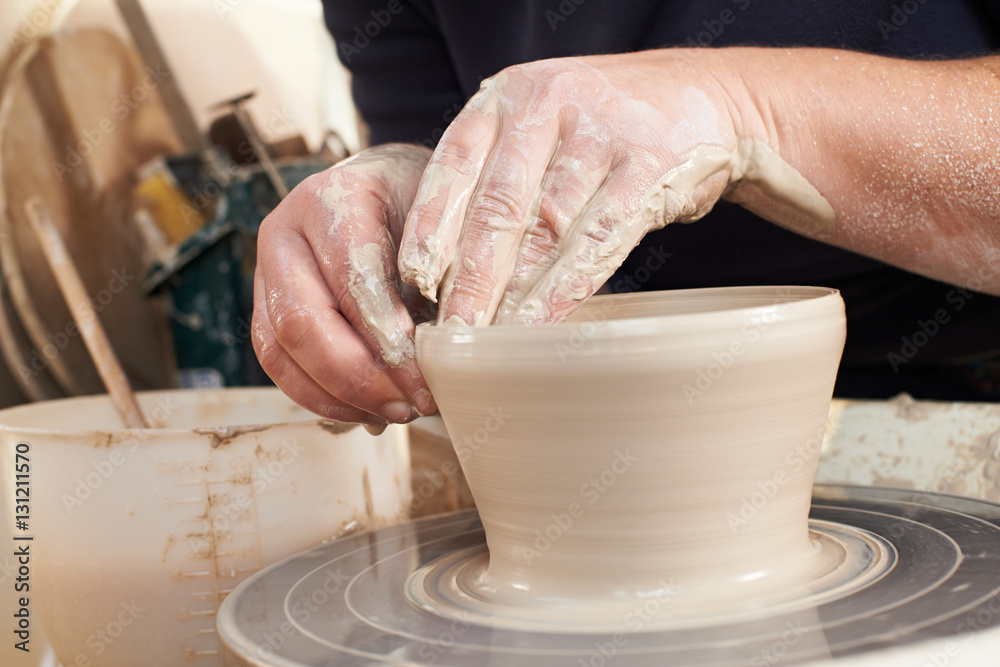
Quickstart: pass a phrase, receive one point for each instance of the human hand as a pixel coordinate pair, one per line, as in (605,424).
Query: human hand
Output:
(550,167)
(331,323)
(555,170)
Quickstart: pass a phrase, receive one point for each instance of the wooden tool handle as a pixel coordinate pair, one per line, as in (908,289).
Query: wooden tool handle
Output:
(75,294)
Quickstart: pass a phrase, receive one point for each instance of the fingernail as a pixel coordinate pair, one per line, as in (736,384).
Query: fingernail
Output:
(425,402)
(376,429)
(398,412)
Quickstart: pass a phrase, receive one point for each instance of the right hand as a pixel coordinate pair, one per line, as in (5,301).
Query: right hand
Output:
(331,324)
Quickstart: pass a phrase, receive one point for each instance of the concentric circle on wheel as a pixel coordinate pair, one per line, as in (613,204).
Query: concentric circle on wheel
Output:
(389,597)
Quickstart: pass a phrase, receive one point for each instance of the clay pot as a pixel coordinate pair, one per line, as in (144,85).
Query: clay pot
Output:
(654,444)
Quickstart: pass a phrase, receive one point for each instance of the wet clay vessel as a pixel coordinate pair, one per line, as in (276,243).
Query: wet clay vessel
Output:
(658,445)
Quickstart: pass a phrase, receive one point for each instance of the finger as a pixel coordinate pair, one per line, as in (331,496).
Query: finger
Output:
(495,224)
(285,373)
(308,325)
(609,227)
(437,216)
(575,174)
(357,258)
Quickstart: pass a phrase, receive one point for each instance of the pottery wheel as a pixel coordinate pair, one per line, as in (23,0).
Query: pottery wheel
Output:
(928,588)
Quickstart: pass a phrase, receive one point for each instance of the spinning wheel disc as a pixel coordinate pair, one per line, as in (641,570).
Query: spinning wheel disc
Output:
(931,574)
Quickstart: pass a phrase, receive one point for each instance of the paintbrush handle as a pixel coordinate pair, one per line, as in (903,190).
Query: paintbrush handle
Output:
(80,306)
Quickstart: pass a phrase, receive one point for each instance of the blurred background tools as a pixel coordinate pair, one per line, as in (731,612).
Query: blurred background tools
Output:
(103,122)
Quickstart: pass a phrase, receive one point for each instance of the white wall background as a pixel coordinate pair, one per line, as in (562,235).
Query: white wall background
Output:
(219,49)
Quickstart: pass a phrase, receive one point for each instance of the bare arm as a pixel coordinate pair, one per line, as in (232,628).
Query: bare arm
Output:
(907,152)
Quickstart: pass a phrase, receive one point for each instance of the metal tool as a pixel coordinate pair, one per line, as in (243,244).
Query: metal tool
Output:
(260,149)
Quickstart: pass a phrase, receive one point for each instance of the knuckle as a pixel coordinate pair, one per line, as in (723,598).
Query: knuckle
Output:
(472,285)
(292,323)
(501,201)
(541,243)
(455,154)
(357,380)
(552,218)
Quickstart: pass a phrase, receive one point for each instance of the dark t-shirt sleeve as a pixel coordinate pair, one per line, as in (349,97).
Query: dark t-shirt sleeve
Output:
(402,78)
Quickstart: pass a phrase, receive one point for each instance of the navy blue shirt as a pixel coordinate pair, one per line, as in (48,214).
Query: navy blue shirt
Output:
(414,64)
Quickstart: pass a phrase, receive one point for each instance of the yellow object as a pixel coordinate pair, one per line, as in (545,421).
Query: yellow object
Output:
(169,207)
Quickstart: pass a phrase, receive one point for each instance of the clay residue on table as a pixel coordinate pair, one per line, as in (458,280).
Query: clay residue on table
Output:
(223,435)
(923,445)
(335,427)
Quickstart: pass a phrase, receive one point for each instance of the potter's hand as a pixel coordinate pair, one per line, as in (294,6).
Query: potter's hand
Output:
(330,323)
(554,171)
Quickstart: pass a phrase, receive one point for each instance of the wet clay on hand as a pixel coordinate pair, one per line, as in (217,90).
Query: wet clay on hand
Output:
(538,191)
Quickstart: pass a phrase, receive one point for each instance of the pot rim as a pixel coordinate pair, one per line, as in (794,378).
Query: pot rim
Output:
(793,300)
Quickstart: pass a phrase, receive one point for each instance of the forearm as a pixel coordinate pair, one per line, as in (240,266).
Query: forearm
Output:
(906,152)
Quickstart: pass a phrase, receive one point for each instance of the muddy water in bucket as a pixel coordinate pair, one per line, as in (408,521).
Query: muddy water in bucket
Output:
(139,535)
(657,446)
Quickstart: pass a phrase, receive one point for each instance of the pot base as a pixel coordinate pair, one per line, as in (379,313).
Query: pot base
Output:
(844,560)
